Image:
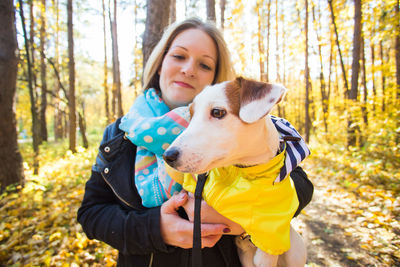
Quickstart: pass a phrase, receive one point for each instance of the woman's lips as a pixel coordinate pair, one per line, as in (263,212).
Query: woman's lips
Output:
(183,84)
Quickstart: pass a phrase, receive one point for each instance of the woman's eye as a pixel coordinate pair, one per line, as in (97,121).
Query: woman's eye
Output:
(218,113)
(205,66)
(178,56)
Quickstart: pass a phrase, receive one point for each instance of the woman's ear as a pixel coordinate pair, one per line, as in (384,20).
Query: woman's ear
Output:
(258,98)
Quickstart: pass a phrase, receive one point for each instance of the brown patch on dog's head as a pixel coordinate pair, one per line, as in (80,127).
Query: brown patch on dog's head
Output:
(253,90)
(244,96)
(242,91)
(232,91)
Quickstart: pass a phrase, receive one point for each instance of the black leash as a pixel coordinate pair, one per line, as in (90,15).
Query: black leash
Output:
(196,250)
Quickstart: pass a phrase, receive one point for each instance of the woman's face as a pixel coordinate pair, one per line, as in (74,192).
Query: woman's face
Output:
(188,67)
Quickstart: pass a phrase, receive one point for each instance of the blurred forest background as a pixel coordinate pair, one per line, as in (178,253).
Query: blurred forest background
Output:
(70,67)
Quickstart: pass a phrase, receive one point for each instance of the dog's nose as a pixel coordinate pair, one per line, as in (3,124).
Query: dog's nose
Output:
(171,155)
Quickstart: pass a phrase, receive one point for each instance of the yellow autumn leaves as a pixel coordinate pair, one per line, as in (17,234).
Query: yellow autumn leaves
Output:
(38,223)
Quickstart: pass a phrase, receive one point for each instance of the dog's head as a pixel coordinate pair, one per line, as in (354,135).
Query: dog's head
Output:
(228,121)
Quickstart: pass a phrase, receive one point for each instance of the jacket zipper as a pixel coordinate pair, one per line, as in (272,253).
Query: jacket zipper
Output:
(119,197)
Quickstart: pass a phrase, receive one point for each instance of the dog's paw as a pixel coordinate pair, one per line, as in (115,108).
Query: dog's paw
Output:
(262,259)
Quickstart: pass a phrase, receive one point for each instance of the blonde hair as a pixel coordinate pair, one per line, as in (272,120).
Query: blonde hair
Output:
(224,69)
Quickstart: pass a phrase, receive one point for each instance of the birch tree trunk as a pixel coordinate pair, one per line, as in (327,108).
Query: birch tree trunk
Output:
(11,169)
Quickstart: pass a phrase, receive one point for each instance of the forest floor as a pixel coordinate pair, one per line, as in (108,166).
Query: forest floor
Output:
(351,221)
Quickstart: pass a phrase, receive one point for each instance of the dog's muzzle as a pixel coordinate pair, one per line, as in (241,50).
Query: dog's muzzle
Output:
(171,156)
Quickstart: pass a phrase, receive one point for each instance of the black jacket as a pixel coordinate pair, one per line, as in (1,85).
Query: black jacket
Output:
(112,212)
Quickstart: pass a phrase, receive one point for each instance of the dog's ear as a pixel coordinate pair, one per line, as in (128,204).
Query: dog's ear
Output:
(258,98)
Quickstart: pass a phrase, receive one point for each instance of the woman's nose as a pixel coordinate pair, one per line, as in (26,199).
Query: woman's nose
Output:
(189,69)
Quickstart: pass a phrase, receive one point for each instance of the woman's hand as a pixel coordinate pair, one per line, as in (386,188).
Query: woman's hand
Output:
(176,231)
(210,215)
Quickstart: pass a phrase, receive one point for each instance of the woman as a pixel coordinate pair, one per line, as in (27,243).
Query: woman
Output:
(190,55)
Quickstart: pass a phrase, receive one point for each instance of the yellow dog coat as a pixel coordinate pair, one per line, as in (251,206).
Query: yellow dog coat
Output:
(249,197)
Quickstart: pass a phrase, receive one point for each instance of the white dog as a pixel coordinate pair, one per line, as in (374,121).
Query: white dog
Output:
(233,117)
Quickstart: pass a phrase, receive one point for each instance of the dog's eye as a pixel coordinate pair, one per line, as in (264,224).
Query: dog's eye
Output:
(218,113)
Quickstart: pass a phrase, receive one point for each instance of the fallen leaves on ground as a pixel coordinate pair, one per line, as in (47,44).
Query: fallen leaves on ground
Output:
(38,223)
(356,212)
(353,219)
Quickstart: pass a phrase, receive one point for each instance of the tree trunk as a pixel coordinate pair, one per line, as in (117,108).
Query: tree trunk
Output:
(283,50)
(11,170)
(82,126)
(156,21)
(113,111)
(172,12)
(71,69)
(373,75)
(352,127)
(116,71)
(324,98)
(210,4)
(331,55)
(346,86)
(137,56)
(58,125)
(105,68)
(222,4)
(268,34)
(397,50)
(32,95)
(66,123)
(33,52)
(260,41)
(277,59)
(43,95)
(364,111)
(383,76)
(355,67)
(278,77)
(307,124)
